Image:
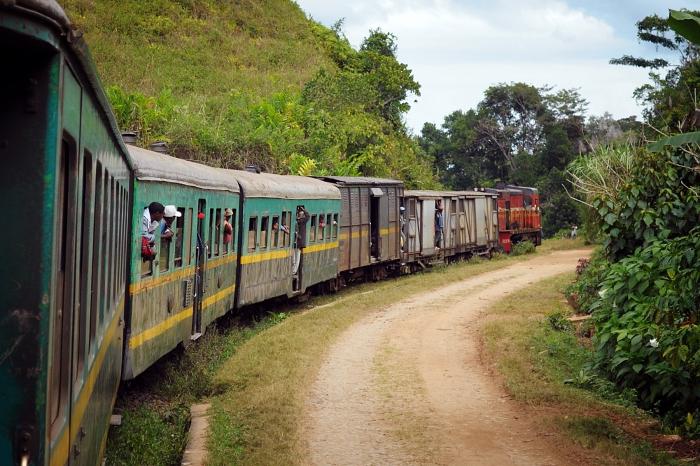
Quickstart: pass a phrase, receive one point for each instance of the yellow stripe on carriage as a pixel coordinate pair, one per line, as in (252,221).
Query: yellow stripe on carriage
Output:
(59,455)
(136,288)
(151,333)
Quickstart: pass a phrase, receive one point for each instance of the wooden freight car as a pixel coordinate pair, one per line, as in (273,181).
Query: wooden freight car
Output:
(370,236)
(469,225)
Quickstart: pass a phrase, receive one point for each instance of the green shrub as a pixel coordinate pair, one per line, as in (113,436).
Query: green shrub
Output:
(560,322)
(523,247)
(647,319)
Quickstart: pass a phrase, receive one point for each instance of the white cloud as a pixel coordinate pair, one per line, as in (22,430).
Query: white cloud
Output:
(457,50)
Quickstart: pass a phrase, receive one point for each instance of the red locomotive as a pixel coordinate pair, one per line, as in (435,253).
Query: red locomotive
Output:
(519,217)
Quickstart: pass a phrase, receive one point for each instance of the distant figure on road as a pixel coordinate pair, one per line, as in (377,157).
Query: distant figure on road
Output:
(574,229)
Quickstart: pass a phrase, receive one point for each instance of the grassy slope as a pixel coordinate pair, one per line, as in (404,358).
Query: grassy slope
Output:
(199,49)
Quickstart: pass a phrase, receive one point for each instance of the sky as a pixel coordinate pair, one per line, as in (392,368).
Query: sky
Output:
(458,48)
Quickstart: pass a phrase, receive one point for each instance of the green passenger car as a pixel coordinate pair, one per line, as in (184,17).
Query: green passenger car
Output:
(192,280)
(267,231)
(65,196)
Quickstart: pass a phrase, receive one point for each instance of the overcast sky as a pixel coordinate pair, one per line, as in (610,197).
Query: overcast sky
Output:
(458,48)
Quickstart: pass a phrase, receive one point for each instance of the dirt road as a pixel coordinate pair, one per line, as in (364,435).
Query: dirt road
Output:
(406,385)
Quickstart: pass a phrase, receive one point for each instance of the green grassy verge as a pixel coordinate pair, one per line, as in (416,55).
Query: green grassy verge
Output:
(543,362)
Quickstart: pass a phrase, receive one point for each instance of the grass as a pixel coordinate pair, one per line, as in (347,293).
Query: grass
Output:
(543,364)
(257,416)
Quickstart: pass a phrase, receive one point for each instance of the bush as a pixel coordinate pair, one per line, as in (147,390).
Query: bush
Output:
(559,322)
(648,332)
(523,247)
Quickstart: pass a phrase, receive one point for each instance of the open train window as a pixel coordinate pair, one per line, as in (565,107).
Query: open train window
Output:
(179,236)
(210,241)
(312,229)
(218,232)
(164,253)
(86,220)
(275,231)
(230,241)
(329,226)
(263,231)
(286,222)
(96,255)
(188,236)
(252,233)
(335,226)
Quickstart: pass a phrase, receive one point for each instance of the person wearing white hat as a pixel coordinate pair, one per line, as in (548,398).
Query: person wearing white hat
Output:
(169,215)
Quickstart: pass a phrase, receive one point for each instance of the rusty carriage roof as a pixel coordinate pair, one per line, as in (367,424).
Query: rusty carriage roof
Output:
(283,186)
(155,166)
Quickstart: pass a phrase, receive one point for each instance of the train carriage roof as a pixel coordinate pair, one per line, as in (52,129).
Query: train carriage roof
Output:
(154,166)
(360,180)
(283,186)
(437,194)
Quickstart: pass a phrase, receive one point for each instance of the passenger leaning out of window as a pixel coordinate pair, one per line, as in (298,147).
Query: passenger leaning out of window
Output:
(152,215)
(228,228)
(170,214)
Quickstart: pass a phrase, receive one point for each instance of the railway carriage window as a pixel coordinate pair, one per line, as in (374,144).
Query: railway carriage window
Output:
(179,236)
(95,294)
(275,231)
(209,242)
(230,244)
(321,227)
(312,229)
(263,231)
(164,255)
(335,226)
(329,226)
(218,232)
(252,233)
(287,228)
(86,219)
(453,209)
(188,236)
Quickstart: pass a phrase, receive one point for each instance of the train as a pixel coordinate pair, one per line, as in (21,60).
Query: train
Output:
(83,308)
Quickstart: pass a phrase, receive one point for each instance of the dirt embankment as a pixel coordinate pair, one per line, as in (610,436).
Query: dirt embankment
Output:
(406,385)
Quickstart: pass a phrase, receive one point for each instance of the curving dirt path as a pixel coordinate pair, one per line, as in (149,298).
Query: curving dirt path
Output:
(406,385)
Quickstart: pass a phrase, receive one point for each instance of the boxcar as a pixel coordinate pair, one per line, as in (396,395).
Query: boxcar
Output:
(369,224)
(518,215)
(469,224)
(65,182)
(192,280)
(267,230)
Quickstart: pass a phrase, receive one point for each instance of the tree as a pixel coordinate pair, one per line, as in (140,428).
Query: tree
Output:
(670,100)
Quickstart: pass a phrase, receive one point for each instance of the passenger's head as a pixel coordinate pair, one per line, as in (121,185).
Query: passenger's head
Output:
(157,211)
(228,213)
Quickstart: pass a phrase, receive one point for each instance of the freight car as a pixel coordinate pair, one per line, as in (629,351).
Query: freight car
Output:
(519,216)
(66,186)
(468,226)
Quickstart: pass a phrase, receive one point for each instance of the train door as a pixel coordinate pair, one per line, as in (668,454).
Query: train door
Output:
(427,227)
(379,217)
(481,219)
(374,224)
(200,266)
(66,216)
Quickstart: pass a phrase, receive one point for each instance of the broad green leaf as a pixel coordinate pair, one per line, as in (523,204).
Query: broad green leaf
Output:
(637,368)
(685,24)
(675,141)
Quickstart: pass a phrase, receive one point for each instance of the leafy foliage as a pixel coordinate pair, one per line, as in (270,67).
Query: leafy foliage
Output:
(522,248)
(256,83)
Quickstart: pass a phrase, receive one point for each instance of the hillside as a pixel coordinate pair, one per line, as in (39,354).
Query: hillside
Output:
(199,48)
(253,81)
